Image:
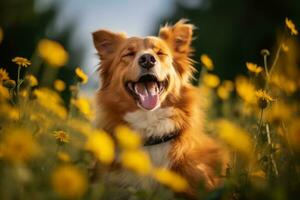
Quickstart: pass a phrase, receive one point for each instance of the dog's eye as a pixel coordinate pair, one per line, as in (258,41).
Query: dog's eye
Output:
(131,53)
(161,53)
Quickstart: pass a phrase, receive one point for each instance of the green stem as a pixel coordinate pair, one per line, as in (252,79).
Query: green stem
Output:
(260,119)
(18,81)
(266,66)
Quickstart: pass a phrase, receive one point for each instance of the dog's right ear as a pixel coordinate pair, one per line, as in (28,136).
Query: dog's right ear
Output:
(106,42)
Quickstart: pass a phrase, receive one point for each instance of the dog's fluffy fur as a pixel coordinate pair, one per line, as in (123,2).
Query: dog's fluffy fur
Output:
(193,154)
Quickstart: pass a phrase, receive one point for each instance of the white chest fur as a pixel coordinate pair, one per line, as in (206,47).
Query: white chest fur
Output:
(154,123)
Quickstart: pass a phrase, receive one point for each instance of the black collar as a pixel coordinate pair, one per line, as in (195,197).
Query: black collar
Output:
(153,140)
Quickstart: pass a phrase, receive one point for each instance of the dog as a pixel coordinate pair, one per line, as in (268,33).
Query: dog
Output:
(145,84)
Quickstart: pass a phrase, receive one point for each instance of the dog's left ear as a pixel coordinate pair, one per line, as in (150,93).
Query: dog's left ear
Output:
(178,36)
(107,42)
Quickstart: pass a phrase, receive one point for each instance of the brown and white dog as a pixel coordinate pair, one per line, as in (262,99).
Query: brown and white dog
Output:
(145,85)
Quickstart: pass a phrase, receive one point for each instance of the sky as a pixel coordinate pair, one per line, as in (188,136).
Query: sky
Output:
(135,17)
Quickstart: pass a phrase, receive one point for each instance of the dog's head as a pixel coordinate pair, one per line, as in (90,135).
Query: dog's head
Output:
(143,72)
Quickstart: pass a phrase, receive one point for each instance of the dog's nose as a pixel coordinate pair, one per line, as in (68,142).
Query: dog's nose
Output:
(147,61)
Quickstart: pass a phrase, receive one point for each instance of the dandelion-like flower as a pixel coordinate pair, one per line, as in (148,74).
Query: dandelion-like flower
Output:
(234,136)
(263,98)
(207,61)
(245,90)
(170,179)
(61,136)
(127,138)
(19,146)
(59,85)
(82,77)
(3,75)
(83,105)
(31,80)
(291,26)
(254,68)
(211,80)
(53,53)
(23,62)
(101,145)
(69,182)
(284,47)
(137,161)
(225,89)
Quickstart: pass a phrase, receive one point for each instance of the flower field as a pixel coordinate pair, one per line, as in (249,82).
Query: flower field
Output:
(48,148)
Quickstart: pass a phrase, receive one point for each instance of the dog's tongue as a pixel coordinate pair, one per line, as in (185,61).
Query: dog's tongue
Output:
(148,94)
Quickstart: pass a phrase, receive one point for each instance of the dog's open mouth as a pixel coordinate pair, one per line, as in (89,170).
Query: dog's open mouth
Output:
(147,90)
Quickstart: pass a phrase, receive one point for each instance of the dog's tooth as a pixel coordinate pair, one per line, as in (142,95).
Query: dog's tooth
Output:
(130,86)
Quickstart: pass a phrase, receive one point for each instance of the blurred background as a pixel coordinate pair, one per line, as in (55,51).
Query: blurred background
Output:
(231,32)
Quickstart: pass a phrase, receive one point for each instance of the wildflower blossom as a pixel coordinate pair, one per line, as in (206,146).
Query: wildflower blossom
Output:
(254,68)
(83,105)
(234,136)
(61,136)
(3,75)
(51,102)
(53,53)
(59,85)
(4,94)
(137,161)
(63,156)
(69,182)
(127,138)
(22,62)
(31,80)
(9,84)
(291,26)
(279,111)
(245,90)
(19,146)
(284,47)
(211,80)
(82,77)
(263,98)
(101,145)
(170,179)
(207,62)
(224,90)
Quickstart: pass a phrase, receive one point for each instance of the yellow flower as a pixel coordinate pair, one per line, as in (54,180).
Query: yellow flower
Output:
(82,77)
(83,105)
(4,94)
(22,62)
(59,85)
(101,145)
(234,136)
(262,94)
(51,101)
(1,35)
(61,136)
(225,89)
(284,47)
(3,75)
(9,111)
(211,80)
(207,62)
(137,161)
(279,111)
(63,156)
(254,68)
(127,138)
(291,26)
(170,179)
(245,90)
(19,146)
(32,80)
(53,53)
(69,182)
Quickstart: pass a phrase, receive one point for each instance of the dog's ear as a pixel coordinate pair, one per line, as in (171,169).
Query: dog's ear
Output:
(178,36)
(106,42)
